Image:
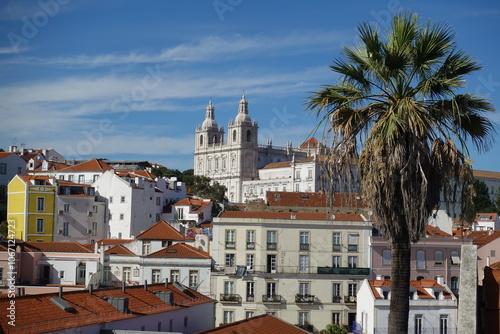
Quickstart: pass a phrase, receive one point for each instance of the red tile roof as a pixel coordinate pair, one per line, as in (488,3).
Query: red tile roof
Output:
(52,166)
(261,324)
(495,265)
(28,178)
(486,174)
(486,216)
(108,242)
(196,205)
(482,238)
(181,250)
(64,247)
(434,232)
(291,216)
(5,154)
(119,250)
(161,231)
(135,173)
(91,165)
(38,314)
(419,285)
(309,199)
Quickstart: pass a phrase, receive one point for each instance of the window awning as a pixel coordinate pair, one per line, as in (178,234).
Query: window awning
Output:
(455,260)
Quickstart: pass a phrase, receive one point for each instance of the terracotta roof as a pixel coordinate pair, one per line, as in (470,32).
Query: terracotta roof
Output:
(482,238)
(434,232)
(196,204)
(311,142)
(26,157)
(135,173)
(119,250)
(420,286)
(91,165)
(181,250)
(38,314)
(52,166)
(487,216)
(108,242)
(161,231)
(64,247)
(495,265)
(486,174)
(262,324)
(309,199)
(5,154)
(28,178)
(291,216)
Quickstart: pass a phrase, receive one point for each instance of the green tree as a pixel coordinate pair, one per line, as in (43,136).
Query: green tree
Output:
(481,201)
(397,109)
(203,187)
(334,329)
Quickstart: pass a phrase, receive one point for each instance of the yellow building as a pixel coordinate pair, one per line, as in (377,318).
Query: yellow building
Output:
(31,207)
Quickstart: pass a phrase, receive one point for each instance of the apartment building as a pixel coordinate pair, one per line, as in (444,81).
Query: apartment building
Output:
(304,268)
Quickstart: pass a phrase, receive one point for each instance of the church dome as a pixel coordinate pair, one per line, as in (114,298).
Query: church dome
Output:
(243,116)
(209,122)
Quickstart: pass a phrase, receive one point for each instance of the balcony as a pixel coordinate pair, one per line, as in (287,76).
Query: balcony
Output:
(272,246)
(304,299)
(304,246)
(336,247)
(272,299)
(250,245)
(343,271)
(230,245)
(250,298)
(230,298)
(336,299)
(352,248)
(350,299)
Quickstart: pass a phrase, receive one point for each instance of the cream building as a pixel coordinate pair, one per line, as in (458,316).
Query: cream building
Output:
(304,268)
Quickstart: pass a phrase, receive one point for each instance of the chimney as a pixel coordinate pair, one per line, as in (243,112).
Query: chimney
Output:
(146,284)
(90,288)
(440,279)
(166,282)
(60,291)
(379,278)
(123,286)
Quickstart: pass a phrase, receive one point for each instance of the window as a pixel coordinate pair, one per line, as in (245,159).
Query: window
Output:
(156,276)
(250,239)
(352,242)
(336,261)
(336,318)
(193,279)
(455,258)
(420,259)
(61,274)
(418,323)
(229,287)
(3,168)
(180,213)
(271,263)
(271,313)
(386,257)
(297,175)
(126,274)
(248,314)
(81,178)
(336,293)
(94,208)
(271,289)
(70,178)
(230,260)
(250,261)
(304,240)
(95,177)
(303,316)
(250,291)
(454,284)
(40,206)
(443,324)
(272,240)
(352,289)
(336,241)
(438,258)
(110,199)
(94,228)
(304,288)
(249,136)
(65,230)
(122,216)
(174,275)
(309,174)
(352,261)
(146,247)
(228,316)
(39,225)
(304,263)
(66,207)
(122,199)
(230,239)
(492,253)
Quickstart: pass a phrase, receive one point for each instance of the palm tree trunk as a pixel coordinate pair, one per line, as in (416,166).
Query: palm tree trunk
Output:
(400,280)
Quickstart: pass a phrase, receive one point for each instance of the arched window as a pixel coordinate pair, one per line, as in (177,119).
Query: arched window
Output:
(454,284)
(234,135)
(201,140)
(455,258)
(438,258)
(214,139)
(249,136)
(386,256)
(420,259)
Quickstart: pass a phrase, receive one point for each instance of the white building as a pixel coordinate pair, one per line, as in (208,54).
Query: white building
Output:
(300,267)
(79,216)
(433,307)
(486,221)
(194,210)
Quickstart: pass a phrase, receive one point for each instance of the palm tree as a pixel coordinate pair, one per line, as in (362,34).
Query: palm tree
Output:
(398,110)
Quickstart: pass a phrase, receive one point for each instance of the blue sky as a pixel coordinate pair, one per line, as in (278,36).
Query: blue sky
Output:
(131,79)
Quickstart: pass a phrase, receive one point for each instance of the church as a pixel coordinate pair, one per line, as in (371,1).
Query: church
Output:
(236,161)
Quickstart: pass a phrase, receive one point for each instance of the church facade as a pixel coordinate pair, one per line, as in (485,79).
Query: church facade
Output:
(236,158)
